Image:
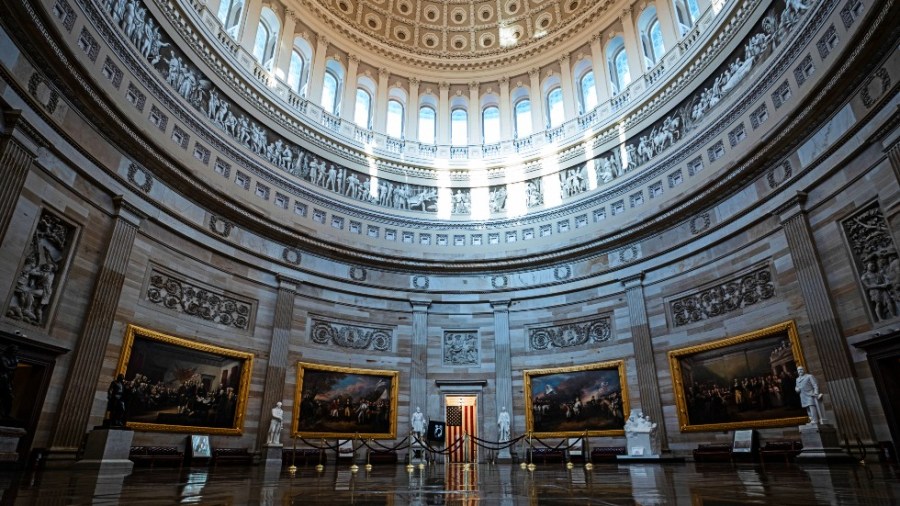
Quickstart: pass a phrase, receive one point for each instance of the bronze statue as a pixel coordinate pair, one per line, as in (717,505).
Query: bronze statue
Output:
(115,402)
(8,363)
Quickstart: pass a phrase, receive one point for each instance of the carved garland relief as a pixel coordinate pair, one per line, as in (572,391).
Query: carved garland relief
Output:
(567,335)
(346,335)
(724,297)
(189,298)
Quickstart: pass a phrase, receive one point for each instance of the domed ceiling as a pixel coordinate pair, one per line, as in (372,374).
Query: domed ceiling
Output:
(431,31)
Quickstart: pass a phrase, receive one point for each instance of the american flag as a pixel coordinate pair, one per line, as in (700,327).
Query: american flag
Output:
(461,420)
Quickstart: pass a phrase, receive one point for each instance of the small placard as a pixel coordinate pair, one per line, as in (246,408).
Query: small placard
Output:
(200,447)
(743,441)
(637,451)
(436,431)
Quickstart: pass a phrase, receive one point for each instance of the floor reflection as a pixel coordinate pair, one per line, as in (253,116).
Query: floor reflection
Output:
(505,485)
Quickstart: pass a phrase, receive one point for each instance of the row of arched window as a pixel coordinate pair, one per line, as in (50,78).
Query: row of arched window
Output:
(297,77)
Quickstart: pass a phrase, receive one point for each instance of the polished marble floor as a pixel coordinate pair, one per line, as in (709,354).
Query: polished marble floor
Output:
(684,483)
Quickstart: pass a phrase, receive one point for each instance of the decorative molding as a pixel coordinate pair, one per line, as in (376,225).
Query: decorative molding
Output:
(562,272)
(353,336)
(34,83)
(188,297)
(461,348)
(140,177)
(358,273)
(420,282)
(700,223)
(292,255)
(867,98)
(35,292)
(499,281)
(220,226)
(779,174)
(723,297)
(875,261)
(567,335)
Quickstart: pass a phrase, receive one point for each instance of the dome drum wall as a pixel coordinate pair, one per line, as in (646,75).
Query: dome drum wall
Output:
(329,222)
(733,237)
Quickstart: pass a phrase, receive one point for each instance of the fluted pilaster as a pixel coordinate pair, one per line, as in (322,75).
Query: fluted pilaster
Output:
(418,395)
(15,161)
(648,381)
(276,371)
(834,359)
(502,358)
(77,396)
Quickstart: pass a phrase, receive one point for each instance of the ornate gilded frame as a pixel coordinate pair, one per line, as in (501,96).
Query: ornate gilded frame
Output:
(304,372)
(788,329)
(134,332)
(613,365)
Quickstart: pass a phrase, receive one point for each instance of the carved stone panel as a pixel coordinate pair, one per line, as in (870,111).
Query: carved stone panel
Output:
(353,336)
(188,297)
(45,261)
(461,347)
(876,261)
(567,335)
(723,297)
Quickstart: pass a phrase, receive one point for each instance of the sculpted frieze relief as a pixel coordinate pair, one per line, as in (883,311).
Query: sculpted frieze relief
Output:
(39,278)
(876,260)
(723,297)
(567,335)
(352,336)
(461,347)
(188,297)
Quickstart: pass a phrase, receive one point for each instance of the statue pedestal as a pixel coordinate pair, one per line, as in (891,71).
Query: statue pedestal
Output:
(271,454)
(821,443)
(417,453)
(642,444)
(107,451)
(503,456)
(9,443)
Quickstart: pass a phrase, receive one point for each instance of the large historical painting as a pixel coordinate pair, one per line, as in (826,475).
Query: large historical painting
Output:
(739,382)
(173,384)
(572,401)
(342,402)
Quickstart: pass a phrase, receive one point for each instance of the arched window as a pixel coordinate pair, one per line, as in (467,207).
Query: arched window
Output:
(230,15)
(588,92)
(295,72)
(523,118)
(459,127)
(427,124)
(555,111)
(651,37)
(329,92)
(363,113)
(490,124)
(266,38)
(395,114)
(619,76)
(687,12)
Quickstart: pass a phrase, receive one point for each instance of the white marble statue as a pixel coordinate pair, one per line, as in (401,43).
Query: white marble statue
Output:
(418,423)
(503,424)
(810,396)
(275,425)
(641,435)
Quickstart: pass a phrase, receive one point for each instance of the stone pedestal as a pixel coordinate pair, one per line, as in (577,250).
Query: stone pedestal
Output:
(107,451)
(821,443)
(417,453)
(641,444)
(271,455)
(9,444)
(504,456)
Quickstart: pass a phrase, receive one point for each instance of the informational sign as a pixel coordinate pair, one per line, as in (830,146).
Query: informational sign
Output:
(743,441)
(200,447)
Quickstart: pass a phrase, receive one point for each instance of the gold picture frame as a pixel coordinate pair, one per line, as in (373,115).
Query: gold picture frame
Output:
(573,401)
(345,402)
(742,382)
(177,385)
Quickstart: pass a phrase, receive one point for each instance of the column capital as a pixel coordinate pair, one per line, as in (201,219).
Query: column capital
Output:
(501,306)
(504,80)
(634,281)
(288,284)
(352,58)
(473,86)
(794,206)
(383,73)
(323,41)
(444,86)
(420,305)
(564,59)
(414,82)
(534,72)
(127,211)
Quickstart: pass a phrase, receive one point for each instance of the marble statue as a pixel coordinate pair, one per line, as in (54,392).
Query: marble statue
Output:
(418,423)
(641,435)
(275,425)
(810,396)
(503,424)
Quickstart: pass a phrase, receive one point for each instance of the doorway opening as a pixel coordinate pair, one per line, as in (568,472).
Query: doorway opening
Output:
(462,419)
